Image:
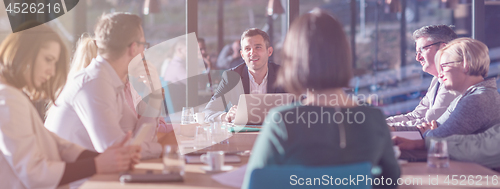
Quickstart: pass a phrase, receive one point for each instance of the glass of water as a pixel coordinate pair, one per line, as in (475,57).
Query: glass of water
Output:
(437,155)
(187,116)
(173,160)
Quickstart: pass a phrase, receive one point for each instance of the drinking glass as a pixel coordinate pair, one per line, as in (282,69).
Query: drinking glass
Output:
(187,116)
(437,155)
(173,160)
(202,137)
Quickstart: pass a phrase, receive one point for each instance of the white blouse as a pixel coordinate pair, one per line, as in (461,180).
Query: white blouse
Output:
(30,155)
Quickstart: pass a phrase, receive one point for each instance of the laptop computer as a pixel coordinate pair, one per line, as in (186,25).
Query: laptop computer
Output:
(253,108)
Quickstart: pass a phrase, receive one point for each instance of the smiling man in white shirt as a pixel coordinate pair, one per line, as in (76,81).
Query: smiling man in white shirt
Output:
(92,110)
(256,76)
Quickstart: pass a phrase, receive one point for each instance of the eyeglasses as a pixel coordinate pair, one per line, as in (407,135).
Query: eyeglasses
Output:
(146,44)
(445,66)
(426,47)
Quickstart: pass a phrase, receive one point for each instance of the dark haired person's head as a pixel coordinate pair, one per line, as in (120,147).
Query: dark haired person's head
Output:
(428,40)
(115,32)
(255,49)
(36,61)
(316,55)
(254,32)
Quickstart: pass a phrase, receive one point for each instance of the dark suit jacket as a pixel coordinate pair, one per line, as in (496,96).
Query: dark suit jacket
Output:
(242,71)
(228,91)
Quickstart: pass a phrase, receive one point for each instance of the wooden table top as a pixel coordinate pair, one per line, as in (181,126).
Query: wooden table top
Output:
(416,175)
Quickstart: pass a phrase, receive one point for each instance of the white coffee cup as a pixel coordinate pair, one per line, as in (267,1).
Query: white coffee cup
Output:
(200,117)
(214,159)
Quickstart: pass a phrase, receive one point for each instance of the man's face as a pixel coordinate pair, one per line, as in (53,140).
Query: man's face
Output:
(255,53)
(426,50)
(141,39)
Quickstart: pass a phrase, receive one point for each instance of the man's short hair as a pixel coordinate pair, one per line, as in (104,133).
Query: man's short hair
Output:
(471,52)
(114,32)
(435,33)
(253,32)
(316,54)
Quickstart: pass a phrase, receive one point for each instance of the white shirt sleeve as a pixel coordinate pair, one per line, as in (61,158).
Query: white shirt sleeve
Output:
(26,149)
(68,151)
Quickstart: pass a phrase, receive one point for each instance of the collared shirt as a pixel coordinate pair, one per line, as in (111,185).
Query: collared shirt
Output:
(92,111)
(255,88)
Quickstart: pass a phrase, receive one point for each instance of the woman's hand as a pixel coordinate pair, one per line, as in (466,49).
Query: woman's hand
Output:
(407,144)
(427,126)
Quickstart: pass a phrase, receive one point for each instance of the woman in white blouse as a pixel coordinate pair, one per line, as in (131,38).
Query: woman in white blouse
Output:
(33,65)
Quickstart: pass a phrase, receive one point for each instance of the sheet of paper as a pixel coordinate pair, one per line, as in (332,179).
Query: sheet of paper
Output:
(412,135)
(232,178)
(227,159)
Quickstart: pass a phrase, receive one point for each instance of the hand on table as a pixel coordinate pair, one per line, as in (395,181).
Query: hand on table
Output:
(427,126)
(230,115)
(407,144)
(118,157)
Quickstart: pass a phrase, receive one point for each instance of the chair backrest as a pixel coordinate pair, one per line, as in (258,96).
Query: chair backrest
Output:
(339,176)
(175,96)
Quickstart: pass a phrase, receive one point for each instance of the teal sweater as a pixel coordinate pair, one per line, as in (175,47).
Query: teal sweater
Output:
(309,135)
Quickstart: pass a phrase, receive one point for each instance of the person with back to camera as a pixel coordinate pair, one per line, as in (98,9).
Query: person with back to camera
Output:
(33,65)
(317,61)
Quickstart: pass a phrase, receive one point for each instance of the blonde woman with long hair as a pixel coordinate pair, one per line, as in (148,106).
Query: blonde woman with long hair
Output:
(33,65)
(86,50)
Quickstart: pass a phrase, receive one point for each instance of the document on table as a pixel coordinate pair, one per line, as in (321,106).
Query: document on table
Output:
(412,135)
(232,178)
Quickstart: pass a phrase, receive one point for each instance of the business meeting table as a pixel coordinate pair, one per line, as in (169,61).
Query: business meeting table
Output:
(414,174)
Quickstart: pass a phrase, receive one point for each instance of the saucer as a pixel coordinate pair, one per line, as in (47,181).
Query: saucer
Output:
(223,168)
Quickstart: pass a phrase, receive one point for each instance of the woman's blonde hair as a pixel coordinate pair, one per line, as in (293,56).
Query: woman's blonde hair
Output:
(18,54)
(473,53)
(86,50)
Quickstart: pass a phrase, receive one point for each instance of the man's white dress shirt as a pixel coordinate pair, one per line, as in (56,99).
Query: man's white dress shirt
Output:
(256,88)
(92,111)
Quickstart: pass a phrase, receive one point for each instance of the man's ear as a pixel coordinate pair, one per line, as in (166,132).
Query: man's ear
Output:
(466,66)
(442,45)
(270,51)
